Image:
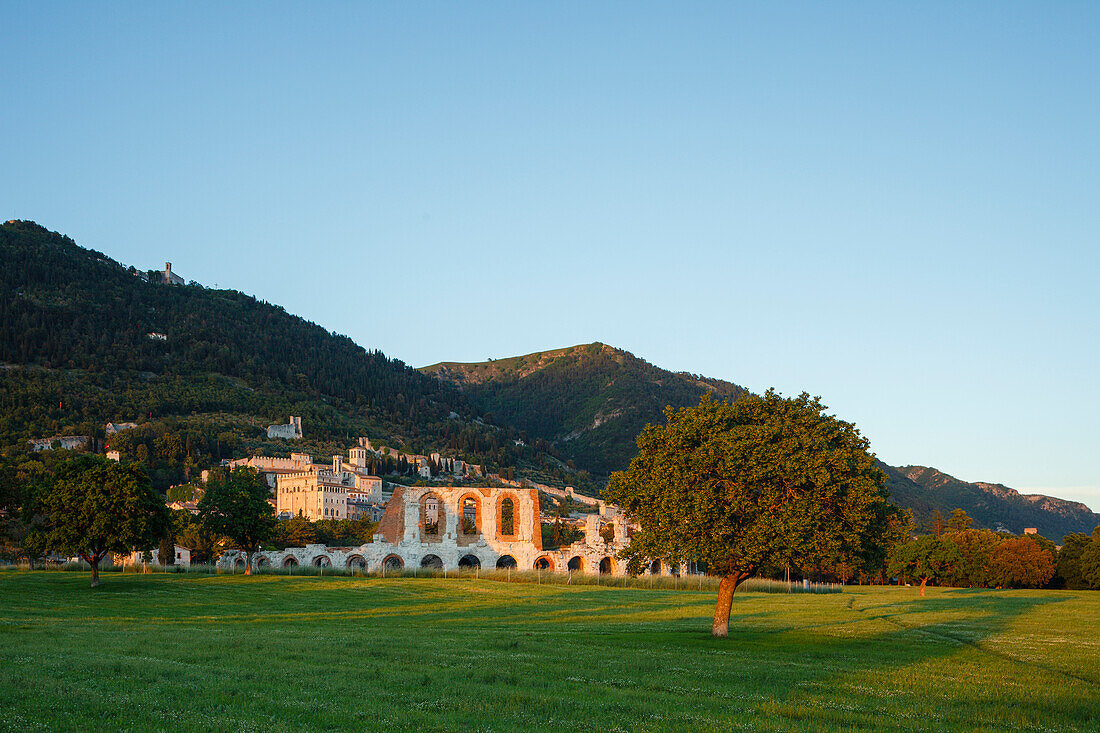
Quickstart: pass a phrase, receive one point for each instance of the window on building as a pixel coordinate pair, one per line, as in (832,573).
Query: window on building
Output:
(507,517)
(469,515)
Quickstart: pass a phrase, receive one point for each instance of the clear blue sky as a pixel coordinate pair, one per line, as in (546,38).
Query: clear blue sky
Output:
(895,206)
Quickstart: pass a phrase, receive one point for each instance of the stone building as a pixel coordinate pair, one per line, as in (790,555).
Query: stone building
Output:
(447,528)
(342,490)
(67,442)
(290,431)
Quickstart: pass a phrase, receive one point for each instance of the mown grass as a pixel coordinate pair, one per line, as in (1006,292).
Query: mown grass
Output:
(271,652)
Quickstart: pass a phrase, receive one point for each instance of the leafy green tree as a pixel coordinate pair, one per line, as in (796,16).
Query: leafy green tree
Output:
(1018,562)
(766,481)
(959,521)
(237,508)
(98,506)
(930,559)
(1090,561)
(1069,559)
(975,546)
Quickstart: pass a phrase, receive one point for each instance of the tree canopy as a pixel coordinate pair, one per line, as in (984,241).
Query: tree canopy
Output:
(767,481)
(237,507)
(96,506)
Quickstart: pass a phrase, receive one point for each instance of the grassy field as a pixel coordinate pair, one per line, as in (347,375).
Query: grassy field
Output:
(272,653)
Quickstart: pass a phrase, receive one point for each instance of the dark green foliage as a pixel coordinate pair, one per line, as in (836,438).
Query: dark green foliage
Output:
(96,506)
(237,508)
(107,312)
(586,402)
(764,482)
(928,558)
(1069,560)
(1089,562)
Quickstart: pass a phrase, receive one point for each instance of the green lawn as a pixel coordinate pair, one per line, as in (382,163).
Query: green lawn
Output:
(270,653)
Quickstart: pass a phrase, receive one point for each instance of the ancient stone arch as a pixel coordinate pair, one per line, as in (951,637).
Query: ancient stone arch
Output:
(322,561)
(607,565)
(576,564)
(239,563)
(655,567)
(545,562)
(506,561)
(432,561)
(508,530)
(469,562)
(393,562)
(433,517)
(469,513)
(290,562)
(356,562)
(262,562)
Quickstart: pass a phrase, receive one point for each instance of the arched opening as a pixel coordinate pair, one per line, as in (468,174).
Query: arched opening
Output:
(290,562)
(655,567)
(239,564)
(544,563)
(469,562)
(356,562)
(607,565)
(322,561)
(576,564)
(431,515)
(506,562)
(507,525)
(262,562)
(675,570)
(471,521)
(393,562)
(432,561)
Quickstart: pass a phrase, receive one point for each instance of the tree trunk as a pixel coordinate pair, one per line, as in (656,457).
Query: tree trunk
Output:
(247,563)
(923,582)
(726,588)
(95,572)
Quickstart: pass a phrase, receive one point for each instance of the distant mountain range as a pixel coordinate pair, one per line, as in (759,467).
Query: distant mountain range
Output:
(994,506)
(589,402)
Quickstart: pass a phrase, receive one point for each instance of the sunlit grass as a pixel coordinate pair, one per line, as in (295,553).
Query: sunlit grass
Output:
(275,652)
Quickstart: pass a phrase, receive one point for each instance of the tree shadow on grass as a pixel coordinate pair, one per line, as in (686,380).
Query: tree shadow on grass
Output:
(809,665)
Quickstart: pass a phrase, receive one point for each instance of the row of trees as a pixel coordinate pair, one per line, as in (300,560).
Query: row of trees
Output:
(90,507)
(957,554)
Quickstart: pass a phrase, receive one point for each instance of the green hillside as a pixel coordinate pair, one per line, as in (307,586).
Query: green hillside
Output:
(587,402)
(76,351)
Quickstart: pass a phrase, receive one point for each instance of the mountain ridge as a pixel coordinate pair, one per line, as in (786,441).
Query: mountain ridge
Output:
(589,401)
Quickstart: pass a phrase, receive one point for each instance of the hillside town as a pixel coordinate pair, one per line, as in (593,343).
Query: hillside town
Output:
(464,518)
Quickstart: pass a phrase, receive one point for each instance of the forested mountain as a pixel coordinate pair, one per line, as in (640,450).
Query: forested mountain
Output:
(588,402)
(994,506)
(85,340)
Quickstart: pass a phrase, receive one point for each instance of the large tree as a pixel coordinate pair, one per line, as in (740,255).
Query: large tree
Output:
(1020,562)
(764,482)
(96,506)
(238,508)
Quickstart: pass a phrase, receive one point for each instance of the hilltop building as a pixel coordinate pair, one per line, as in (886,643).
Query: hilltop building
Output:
(117,427)
(290,431)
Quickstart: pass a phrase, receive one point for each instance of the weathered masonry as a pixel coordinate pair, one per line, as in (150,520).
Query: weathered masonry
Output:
(447,528)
